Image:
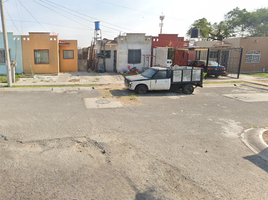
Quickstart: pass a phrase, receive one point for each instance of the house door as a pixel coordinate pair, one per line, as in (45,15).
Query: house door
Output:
(115,60)
(225,59)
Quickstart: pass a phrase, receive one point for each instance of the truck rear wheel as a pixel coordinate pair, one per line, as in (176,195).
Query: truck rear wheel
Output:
(188,89)
(141,89)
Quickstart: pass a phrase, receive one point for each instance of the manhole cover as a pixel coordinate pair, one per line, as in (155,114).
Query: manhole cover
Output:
(102,101)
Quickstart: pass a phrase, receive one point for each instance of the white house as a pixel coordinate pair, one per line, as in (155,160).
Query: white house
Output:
(131,49)
(134,50)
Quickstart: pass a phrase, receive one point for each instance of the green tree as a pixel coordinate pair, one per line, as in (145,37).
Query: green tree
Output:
(219,31)
(244,23)
(258,23)
(204,28)
(237,21)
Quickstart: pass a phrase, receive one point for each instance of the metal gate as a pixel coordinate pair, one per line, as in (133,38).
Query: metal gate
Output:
(230,58)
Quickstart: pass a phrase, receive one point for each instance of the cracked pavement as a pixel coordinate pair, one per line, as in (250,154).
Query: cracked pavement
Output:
(164,146)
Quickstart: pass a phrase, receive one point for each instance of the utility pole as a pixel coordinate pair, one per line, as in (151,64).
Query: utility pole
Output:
(9,79)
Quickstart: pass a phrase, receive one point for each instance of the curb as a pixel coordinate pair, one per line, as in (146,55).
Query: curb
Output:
(253,139)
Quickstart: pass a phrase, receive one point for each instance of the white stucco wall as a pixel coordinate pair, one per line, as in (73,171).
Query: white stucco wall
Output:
(132,41)
(160,56)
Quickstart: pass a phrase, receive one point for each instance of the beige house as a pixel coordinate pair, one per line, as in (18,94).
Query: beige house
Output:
(255,51)
(255,54)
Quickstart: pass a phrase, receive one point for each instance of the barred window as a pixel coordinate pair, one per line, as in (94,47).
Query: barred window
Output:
(41,56)
(107,53)
(134,56)
(253,56)
(213,54)
(68,54)
(2,56)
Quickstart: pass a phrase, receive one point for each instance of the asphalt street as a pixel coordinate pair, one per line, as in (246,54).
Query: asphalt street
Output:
(61,144)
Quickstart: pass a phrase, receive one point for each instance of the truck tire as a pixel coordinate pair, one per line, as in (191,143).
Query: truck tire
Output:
(141,89)
(188,89)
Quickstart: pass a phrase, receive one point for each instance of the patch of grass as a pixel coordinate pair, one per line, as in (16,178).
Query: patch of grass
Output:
(107,93)
(3,78)
(133,97)
(264,75)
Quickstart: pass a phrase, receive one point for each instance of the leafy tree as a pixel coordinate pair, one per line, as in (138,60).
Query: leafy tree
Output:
(237,21)
(219,31)
(258,23)
(244,23)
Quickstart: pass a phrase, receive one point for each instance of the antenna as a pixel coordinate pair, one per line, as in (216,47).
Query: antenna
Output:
(162,17)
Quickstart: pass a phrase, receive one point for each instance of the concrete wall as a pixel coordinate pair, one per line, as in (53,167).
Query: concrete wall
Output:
(14,43)
(40,41)
(132,41)
(68,65)
(160,55)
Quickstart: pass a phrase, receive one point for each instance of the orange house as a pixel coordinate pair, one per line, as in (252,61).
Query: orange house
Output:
(68,56)
(40,53)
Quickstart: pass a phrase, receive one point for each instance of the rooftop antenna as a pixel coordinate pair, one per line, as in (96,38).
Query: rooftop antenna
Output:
(162,17)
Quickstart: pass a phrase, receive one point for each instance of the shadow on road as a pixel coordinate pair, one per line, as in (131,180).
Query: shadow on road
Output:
(260,159)
(144,196)
(120,93)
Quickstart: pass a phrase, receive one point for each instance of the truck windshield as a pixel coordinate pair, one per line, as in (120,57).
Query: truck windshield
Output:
(149,73)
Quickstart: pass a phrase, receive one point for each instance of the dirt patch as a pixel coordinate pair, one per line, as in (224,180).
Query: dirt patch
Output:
(129,100)
(265,137)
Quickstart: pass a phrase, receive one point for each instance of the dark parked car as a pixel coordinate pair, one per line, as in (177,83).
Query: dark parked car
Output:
(213,67)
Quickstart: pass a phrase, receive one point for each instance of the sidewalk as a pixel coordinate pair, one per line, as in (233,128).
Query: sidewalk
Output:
(70,79)
(110,79)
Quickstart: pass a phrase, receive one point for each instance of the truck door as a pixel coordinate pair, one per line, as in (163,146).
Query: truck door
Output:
(160,81)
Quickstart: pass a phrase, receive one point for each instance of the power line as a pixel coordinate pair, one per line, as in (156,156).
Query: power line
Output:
(52,24)
(137,10)
(31,15)
(12,21)
(61,14)
(60,6)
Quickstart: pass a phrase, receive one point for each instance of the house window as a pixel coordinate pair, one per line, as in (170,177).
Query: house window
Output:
(3,56)
(68,54)
(253,56)
(213,54)
(107,53)
(41,56)
(134,56)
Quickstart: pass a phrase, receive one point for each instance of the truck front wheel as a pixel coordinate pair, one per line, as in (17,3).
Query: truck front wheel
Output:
(188,89)
(141,89)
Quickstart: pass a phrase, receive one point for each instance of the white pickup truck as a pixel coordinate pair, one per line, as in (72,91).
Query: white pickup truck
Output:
(160,78)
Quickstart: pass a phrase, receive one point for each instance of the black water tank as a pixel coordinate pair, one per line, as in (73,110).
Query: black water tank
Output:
(194,32)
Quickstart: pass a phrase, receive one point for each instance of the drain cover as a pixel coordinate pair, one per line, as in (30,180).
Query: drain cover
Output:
(102,101)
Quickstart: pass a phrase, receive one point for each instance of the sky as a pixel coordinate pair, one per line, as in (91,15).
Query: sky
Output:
(74,19)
